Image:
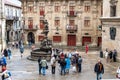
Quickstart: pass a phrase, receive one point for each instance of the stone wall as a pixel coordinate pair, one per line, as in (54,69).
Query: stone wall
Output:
(107,42)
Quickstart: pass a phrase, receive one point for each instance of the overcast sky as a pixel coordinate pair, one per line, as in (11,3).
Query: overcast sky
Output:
(16,2)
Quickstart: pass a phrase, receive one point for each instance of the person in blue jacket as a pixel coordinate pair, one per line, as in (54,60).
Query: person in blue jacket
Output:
(68,63)
(4,61)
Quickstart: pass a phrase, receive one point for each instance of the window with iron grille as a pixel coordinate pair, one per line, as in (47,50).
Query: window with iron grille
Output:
(42,11)
(41,24)
(87,23)
(87,8)
(30,9)
(57,8)
(30,24)
(57,23)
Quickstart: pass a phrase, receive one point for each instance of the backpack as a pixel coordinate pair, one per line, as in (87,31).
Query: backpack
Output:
(79,61)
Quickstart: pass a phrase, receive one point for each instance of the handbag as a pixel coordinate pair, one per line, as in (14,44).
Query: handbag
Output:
(46,66)
(74,68)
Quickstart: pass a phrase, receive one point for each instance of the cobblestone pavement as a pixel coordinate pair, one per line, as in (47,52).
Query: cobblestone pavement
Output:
(24,69)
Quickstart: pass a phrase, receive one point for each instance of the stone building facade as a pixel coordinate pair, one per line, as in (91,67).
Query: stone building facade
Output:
(2,25)
(71,22)
(111,25)
(13,17)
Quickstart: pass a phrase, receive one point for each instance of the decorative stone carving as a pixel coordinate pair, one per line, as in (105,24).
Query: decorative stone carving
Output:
(113,2)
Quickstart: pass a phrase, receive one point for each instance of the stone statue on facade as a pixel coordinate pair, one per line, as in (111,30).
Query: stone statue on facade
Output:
(112,33)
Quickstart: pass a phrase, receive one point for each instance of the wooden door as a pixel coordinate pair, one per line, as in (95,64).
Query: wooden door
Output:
(71,40)
(99,41)
(86,40)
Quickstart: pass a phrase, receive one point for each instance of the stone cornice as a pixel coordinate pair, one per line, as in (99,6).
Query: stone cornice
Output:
(110,19)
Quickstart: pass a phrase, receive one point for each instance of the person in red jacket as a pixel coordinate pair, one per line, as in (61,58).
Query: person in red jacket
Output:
(86,49)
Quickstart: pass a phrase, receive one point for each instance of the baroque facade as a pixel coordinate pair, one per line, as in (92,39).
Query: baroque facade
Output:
(71,22)
(111,25)
(13,13)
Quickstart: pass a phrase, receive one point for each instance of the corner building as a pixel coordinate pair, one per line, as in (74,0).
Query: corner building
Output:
(111,25)
(71,22)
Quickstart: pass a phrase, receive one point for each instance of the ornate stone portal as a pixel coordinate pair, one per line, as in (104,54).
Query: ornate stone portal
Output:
(45,46)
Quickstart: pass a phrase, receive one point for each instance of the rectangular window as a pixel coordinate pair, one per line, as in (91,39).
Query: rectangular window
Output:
(56,38)
(41,24)
(87,8)
(30,9)
(72,11)
(113,11)
(57,23)
(30,24)
(42,11)
(57,8)
(72,22)
(87,23)
(40,37)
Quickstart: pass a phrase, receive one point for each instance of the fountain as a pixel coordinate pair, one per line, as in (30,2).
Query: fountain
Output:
(45,46)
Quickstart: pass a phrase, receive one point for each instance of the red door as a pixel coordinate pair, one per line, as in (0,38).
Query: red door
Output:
(86,40)
(99,41)
(71,40)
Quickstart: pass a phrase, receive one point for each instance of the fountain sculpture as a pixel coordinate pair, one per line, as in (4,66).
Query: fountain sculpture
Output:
(45,46)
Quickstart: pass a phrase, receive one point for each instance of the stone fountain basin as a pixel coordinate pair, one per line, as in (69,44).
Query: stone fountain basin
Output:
(41,52)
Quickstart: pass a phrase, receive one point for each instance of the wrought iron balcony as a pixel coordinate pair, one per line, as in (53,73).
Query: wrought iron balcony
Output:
(71,28)
(12,18)
(30,28)
(9,17)
(72,13)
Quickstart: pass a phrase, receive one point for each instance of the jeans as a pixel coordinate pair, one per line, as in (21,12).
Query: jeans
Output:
(99,76)
(53,69)
(62,69)
(39,69)
(79,67)
(43,70)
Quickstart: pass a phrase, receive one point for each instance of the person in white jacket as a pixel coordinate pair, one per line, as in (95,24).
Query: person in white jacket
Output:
(106,55)
(118,72)
(53,64)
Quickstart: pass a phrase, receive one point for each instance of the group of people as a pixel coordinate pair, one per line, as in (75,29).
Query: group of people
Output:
(64,60)
(110,56)
(72,59)
(6,53)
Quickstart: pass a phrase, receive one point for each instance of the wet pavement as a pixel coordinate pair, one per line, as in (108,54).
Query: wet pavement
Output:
(24,69)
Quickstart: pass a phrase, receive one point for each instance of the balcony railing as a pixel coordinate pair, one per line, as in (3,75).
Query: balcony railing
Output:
(9,17)
(71,28)
(34,27)
(72,13)
(12,18)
